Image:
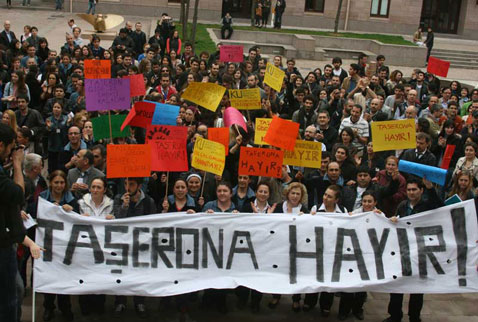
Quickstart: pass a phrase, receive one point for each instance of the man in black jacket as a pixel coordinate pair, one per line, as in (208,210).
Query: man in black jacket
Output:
(414,204)
(7,36)
(422,153)
(11,224)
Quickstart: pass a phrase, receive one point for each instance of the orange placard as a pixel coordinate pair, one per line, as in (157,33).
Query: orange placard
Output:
(95,68)
(261,162)
(282,133)
(128,160)
(220,135)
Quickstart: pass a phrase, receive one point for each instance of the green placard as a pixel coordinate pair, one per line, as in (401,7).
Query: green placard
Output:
(101,127)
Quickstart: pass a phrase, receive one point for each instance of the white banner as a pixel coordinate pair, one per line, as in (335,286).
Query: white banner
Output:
(174,253)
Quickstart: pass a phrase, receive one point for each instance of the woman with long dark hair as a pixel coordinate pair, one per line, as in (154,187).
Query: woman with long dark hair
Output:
(15,87)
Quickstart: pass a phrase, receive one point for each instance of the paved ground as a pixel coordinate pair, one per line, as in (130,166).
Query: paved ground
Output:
(438,308)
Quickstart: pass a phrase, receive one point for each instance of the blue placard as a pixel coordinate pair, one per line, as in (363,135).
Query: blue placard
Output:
(165,114)
(433,174)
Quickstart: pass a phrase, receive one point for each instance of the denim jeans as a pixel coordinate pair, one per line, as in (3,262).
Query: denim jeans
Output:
(8,287)
(91,7)
(26,2)
(59,4)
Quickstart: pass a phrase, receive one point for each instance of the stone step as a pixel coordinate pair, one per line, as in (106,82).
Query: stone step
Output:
(457,59)
(464,66)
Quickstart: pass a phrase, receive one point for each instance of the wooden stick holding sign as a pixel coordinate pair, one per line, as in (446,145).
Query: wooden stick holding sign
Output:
(203,183)
(167,186)
(208,156)
(111,130)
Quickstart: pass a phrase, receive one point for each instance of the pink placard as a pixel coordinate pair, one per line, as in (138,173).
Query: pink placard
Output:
(231,53)
(233,116)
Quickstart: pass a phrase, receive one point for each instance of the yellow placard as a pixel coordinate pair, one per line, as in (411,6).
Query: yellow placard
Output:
(245,99)
(394,135)
(209,156)
(274,77)
(262,125)
(306,154)
(207,95)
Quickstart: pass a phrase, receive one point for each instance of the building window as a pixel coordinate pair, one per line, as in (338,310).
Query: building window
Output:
(380,8)
(314,5)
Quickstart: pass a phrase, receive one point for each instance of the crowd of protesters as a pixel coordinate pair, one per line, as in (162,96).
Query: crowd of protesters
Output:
(44,116)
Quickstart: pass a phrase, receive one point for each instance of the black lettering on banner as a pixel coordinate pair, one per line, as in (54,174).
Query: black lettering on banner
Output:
(93,244)
(139,247)
(294,254)
(180,232)
(378,248)
(241,250)
(355,257)
(459,229)
(427,251)
(109,229)
(49,226)
(158,247)
(404,252)
(216,254)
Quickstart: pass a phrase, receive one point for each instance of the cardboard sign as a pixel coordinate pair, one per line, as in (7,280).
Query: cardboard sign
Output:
(274,77)
(141,115)
(306,154)
(231,53)
(166,132)
(438,67)
(165,114)
(433,174)
(209,156)
(262,126)
(207,95)
(168,155)
(97,69)
(220,135)
(245,99)
(261,162)
(137,86)
(101,127)
(233,116)
(128,160)
(393,135)
(107,94)
(282,133)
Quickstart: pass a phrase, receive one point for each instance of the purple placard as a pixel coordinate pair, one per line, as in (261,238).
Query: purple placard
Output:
(107,94)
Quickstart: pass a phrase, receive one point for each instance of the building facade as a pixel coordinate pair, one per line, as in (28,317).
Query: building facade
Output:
(454,17)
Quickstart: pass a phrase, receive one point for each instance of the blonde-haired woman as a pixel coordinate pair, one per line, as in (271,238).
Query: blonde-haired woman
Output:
(295,196)
(9,118)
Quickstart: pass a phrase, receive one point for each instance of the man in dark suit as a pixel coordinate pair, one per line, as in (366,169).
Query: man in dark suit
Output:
(7,36)
(80,178)
(422,153)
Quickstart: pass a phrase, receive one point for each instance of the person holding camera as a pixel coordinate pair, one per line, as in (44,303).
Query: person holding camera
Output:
(165,28)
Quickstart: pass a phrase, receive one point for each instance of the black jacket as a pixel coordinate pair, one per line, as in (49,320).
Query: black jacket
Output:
(432,201)
(350,193)
(11,200)
(427,159)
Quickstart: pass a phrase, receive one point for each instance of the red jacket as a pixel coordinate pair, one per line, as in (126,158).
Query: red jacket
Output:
(166,94)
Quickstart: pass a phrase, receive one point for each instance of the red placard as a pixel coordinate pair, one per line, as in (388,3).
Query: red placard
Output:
(166,132)
(282,133)
(231,53)
(136,87)
(168,155)
(95,68)
(140,115)
(450,149)
(261,162)
(220,135)
(438,67)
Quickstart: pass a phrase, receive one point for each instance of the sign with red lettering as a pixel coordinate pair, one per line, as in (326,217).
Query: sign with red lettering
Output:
(168,155)
(261,162)
(140,115)
(393,135)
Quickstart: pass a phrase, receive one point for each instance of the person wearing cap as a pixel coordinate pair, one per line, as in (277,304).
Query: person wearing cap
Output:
(122,43)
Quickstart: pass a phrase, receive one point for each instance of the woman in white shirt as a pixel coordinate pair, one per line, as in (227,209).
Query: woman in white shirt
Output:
(97,203)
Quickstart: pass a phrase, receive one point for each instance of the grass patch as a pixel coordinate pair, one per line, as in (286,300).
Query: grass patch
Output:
(204,42)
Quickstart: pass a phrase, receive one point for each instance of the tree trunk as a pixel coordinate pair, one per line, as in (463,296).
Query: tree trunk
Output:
(253,12)
(337,17)
(186,20)
(195,21)
(181,17)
